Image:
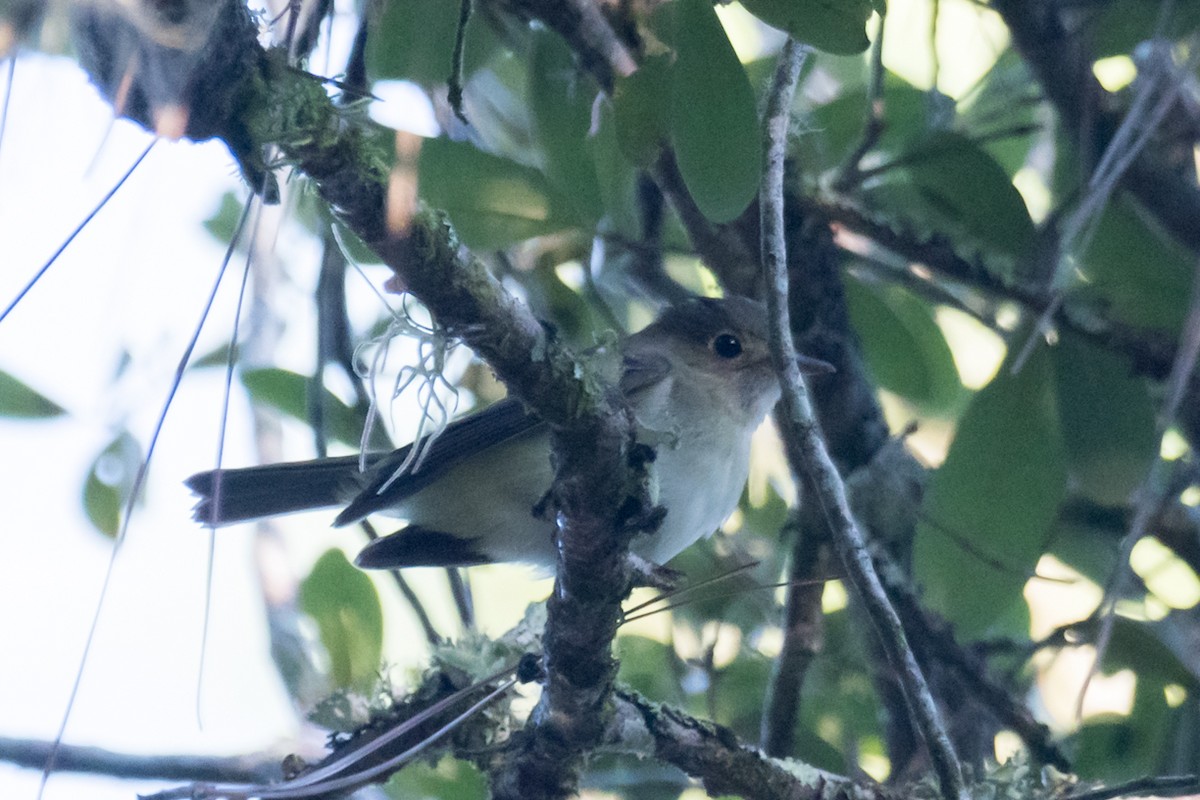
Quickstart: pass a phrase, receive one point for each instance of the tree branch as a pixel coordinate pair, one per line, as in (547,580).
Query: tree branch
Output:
(806,450)
(725,766)
(256,768)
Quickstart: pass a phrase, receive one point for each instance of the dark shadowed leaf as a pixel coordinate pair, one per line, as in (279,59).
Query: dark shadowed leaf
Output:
(963,186)
(1119,25)
(1107,420)
(1135,270)
(492,201)
(343,602)
(414,40)
(561,98)
(836,26)
(903,345)
(641,102)
(18,400)
(109,481)
(287,392)
(714,124)
(988,508)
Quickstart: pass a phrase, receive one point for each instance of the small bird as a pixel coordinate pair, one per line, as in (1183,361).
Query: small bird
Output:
(699,381)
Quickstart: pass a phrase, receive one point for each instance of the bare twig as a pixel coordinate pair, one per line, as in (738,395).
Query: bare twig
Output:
(1166,786)
(806,450)
(260,767)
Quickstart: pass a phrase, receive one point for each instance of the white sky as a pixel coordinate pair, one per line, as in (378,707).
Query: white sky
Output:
(135,280)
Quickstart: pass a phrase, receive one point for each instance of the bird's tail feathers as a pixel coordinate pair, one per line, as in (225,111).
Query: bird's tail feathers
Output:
(239,495)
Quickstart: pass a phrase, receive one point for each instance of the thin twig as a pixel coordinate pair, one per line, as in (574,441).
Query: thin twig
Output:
(806,450)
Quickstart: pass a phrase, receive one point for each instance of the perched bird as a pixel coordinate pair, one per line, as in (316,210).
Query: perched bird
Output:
(699,380)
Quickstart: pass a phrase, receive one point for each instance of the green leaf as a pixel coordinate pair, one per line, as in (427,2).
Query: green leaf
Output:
(18,400)
(287,392)
(450,779)
(109,481)
(492,201)
(1119,25)
(343,602)
(561,99)
(414,40)
(836,128)
(615,176)
(1008,98)
(641,104)
(713,121)
(835,26)
(904,348)
(963,186)
(989,506)
(1107,420)
(649,667)
(1135,270)
(223,224)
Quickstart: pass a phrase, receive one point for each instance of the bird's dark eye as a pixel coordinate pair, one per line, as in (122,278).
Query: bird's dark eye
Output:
(726,345)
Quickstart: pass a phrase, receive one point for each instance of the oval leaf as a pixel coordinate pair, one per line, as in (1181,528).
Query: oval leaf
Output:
(714,125)
(904,348)
(1136,270)
(835,26)
(561,98)
(989,506)
(287,392)
(641,102)
(18,400)
(1107,420)
(109,481)
(492,201)
(414,40)
(343,602)
(965,187)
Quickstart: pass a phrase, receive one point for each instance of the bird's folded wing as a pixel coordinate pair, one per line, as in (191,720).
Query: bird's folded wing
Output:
(460,441)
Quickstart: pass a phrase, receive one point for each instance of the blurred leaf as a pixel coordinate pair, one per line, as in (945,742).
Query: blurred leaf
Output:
(1135,270)
(561,99)
(839,697)
(616,176)
(287,393)
(963,186)
(217,357)
(988,508)
(1107,420)
(353,248)
(449,779)
(649,667)
(343,602)
(109,481)
(1119,25)
(904,348)
(493,202)
(18,400)
(641,102)
(714,123)
(836,26)
(414,40)
(1114,748)
(836,127)
(1008,98)
(738,694)
(223,224)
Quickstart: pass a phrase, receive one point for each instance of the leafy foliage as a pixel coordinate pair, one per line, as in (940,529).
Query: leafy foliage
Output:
(922,202)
